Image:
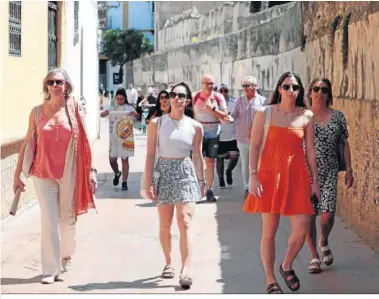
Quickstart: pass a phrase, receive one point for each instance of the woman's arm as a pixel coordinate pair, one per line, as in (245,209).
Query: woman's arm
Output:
(310,152)
(150,152)
(104,113)
(197,156)
(349,179)
(20,159)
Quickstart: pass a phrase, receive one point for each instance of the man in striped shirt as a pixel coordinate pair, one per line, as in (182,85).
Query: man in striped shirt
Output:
(243,114)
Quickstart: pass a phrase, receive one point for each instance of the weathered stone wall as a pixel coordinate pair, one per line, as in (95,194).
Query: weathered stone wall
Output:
(311,38)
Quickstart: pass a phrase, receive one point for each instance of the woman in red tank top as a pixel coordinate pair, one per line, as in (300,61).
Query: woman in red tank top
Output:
(63,176)
(283,185)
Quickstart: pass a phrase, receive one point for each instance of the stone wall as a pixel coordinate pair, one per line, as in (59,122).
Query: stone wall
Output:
(334,39)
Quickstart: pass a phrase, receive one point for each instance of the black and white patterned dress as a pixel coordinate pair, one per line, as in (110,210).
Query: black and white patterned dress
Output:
(326,139)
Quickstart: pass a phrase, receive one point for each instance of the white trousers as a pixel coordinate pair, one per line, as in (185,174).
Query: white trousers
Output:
(57,216)
(244,156)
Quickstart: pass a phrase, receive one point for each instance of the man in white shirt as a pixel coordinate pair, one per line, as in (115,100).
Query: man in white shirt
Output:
(227,147)
(132,95)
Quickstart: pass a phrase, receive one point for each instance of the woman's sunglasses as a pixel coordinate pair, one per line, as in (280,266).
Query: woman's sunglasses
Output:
(323,89)
(224,90)
(249,85)
(181,96)
(163,97)
(56,82)
(295,87)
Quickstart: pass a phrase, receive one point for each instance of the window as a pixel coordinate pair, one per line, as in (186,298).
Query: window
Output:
(15,28)
(52,34)
(76,22)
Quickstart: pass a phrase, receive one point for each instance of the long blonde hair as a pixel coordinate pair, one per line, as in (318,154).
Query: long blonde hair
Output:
(63,72)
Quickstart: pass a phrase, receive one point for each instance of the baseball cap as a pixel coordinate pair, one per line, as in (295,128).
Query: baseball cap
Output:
(223,85)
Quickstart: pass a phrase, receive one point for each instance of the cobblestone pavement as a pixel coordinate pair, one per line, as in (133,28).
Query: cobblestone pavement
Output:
(118,248)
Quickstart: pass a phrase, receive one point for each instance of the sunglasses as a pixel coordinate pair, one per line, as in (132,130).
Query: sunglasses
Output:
(163,97)
(181,96)
(224,90)
(295,87)
(323,89)
(57,82)
(248,85)
(208,83)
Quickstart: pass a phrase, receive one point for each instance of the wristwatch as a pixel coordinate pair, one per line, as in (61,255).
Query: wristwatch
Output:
(214,108)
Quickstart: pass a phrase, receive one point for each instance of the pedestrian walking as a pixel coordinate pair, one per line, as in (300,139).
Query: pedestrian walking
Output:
(181,181)
(121,136)
(227,148)
(330,132)
(243,114)
(282,185)
(62,169)
(209,109)
(162,106)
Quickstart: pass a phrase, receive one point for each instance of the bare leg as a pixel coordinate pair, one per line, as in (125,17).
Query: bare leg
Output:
(114,164)
(184,214)
(210,172)
(300,227)
(270,223)
(312,239)
(166,213)
(327,223)
(125,169)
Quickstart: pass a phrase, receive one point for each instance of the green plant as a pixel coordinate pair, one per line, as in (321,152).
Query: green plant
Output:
(345,40)
(123,46)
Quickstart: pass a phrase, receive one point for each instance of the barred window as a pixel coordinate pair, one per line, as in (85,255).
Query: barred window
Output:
(15,28)
(76,22)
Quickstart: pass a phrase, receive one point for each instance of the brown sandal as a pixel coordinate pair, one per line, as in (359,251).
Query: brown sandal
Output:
(274,288)
(292,281)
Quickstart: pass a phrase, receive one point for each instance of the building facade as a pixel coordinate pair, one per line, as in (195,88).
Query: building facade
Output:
(36,36)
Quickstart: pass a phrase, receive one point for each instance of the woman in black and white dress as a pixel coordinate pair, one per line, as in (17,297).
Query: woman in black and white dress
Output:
(330,130)
(181,181)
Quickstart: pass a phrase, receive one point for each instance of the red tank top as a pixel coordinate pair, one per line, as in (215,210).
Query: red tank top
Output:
(52,144)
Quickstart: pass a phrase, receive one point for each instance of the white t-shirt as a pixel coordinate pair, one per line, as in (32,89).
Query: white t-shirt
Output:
(132,96)
(228,131)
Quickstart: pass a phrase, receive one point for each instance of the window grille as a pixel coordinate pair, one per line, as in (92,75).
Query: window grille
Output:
(15,28)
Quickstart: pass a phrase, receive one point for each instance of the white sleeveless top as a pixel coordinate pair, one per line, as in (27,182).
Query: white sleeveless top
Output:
(175,137)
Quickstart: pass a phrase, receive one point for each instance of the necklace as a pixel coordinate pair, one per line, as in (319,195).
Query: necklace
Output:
(177,123)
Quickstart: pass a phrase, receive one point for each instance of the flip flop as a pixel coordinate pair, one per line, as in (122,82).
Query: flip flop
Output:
(168,272)
(314,266)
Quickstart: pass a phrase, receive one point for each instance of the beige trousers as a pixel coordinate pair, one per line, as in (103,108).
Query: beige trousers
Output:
(57,215)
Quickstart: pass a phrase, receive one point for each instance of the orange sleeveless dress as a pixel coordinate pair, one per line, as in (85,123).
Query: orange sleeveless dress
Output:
(284,175)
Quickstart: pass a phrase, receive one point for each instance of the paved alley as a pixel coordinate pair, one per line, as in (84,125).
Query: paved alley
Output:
(118,248)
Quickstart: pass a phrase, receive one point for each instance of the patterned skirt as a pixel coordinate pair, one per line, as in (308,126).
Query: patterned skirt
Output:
(177,182)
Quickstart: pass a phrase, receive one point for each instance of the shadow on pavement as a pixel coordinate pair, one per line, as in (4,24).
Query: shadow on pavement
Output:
(106,190)
(146,283)
(15,281)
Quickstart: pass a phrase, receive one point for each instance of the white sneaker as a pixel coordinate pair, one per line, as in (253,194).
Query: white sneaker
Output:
(66,264)
(49,279)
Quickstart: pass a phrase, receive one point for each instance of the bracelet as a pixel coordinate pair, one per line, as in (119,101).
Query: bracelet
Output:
(313,180)
(94,170)
(253,172)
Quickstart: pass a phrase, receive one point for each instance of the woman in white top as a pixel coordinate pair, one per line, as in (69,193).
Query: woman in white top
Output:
(121,137)
(181,181)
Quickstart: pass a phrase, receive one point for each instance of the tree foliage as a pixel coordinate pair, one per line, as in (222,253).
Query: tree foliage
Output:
(123,46)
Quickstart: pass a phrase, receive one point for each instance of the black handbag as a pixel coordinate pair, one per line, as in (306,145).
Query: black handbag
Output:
(340,148)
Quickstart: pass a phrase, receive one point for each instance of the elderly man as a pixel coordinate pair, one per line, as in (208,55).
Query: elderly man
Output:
(209,109)
(243,114)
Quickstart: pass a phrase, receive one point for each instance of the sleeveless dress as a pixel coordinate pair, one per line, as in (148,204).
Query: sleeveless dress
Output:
(284,175)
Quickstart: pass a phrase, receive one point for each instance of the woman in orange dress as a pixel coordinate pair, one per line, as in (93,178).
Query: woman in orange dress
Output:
(283,184)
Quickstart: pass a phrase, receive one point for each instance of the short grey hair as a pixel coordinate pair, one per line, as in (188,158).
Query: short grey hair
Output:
(63,72)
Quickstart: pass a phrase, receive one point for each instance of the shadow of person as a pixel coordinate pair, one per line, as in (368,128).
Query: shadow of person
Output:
(13,281)
(145,283)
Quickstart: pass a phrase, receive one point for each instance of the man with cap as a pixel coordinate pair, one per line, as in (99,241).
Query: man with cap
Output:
(243,114)
(227,147)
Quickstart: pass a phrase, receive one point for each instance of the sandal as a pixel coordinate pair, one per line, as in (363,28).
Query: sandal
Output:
(168,272)
(274,288)
(292,281)
(327,255)
(185,281)
(314,266)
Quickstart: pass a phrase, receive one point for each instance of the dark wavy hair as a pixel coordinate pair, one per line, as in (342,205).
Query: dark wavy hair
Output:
(276,97)
(189,109)
(329,101)
(158,109)
(122,92)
